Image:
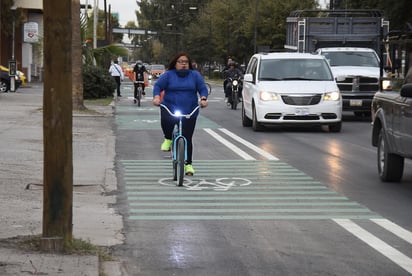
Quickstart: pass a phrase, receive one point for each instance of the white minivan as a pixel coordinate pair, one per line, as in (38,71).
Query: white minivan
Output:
(290,89)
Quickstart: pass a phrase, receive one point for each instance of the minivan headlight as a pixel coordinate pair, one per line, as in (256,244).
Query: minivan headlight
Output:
(268,96)
(332,96)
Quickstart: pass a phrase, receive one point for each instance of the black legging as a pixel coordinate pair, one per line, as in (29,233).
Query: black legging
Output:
(117,80)
(168,122)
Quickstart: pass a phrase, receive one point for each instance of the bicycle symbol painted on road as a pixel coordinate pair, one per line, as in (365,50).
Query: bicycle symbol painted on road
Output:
(219,184)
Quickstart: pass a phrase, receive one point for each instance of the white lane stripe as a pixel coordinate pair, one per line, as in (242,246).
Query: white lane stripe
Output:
(249,145)
(385,249)
(395,229)
(231,146)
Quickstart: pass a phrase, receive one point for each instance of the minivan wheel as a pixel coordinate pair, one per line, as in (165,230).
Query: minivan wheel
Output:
(246,122)
(255,124)
(390,166)
(335,127)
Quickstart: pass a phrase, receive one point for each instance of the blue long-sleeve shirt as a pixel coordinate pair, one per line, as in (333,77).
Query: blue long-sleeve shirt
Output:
(181,93)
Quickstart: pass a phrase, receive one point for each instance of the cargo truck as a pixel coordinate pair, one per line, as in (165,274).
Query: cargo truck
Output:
(351,40)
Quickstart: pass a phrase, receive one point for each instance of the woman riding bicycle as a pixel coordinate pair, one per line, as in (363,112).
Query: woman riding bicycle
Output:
(181,85)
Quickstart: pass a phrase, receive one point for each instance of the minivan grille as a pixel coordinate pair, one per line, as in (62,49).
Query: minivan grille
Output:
(302,100)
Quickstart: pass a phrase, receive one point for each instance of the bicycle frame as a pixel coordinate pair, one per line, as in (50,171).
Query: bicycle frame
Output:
(177,136)
(138,86)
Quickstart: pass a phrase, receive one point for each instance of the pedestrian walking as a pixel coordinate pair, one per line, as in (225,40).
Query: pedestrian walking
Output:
(117,73)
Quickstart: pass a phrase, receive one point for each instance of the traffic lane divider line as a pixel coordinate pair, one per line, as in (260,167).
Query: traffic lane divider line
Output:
(249,145)
(230,145)
(379,245)
(395,229)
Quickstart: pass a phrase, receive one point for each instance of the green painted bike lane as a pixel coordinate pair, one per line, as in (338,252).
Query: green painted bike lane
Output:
(223,189)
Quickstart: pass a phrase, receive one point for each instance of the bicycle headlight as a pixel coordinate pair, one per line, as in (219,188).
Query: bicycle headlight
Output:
(178,113)
(331,96)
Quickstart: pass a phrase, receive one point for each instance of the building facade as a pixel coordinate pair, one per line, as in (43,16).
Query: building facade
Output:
(27,39)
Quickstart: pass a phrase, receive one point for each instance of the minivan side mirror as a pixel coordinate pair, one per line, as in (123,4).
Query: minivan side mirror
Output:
(406,90)
(248,77)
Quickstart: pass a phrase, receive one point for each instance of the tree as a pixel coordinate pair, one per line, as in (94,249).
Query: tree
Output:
(77,85)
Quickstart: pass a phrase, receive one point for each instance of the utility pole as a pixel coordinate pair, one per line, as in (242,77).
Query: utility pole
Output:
(57,126)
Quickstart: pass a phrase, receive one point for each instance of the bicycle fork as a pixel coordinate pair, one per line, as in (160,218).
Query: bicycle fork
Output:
(177,134)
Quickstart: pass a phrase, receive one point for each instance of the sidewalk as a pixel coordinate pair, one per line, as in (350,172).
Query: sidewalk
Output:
(21,174)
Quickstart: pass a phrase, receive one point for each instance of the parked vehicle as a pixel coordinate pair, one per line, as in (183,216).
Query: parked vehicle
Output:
(351,41)
(392,109)
(290,88)
(5,81)
(19,73)
(156,70)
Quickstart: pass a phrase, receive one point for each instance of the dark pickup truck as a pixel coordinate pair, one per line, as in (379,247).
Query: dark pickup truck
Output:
(392,131)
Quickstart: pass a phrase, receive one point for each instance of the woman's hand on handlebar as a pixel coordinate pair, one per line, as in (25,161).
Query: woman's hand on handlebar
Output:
(156,100)
(203,103)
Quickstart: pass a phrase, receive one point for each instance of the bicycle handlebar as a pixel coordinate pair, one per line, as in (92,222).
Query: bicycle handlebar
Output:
(187,116)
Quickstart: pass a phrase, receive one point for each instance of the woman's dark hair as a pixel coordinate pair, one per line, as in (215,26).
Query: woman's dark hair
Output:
(173,60)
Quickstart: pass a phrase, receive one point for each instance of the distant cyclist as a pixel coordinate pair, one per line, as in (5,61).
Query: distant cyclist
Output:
(139,72)
(182,86)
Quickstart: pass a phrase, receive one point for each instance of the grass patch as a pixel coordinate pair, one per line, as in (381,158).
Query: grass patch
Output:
(74,247)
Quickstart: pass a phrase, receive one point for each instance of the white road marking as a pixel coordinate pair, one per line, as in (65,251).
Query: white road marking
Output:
(379,245)
(249,145)
(231,146)
(395,229)
(385,249)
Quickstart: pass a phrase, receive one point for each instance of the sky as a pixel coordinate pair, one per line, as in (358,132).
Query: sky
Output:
(125,8)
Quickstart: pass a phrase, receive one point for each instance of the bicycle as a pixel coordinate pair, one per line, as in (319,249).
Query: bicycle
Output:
(138,90)
(179,145)
(209,88)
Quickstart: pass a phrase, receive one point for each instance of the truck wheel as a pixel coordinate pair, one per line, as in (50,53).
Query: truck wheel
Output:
(390,166)
(246,122)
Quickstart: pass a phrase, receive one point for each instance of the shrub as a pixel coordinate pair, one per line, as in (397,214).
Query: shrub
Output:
(97,82)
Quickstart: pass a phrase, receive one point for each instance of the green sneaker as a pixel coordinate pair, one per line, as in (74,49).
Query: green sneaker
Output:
(189,169)
(166,145)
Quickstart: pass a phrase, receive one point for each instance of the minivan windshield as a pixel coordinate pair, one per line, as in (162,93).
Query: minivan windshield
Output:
(352,58)
(294,69)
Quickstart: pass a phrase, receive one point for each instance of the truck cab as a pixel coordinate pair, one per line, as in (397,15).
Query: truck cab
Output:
(357,71)
(392,107)
(351,40)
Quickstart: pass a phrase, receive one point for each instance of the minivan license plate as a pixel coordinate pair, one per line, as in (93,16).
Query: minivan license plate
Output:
(302,111)
(355,102)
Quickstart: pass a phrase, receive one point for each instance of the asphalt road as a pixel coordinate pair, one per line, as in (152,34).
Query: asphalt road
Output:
(286,201)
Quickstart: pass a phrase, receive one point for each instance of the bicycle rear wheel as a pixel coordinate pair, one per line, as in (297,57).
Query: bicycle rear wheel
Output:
(180,161)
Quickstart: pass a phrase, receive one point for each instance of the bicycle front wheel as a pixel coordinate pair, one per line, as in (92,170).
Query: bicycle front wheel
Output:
(209,88)
(180,161)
